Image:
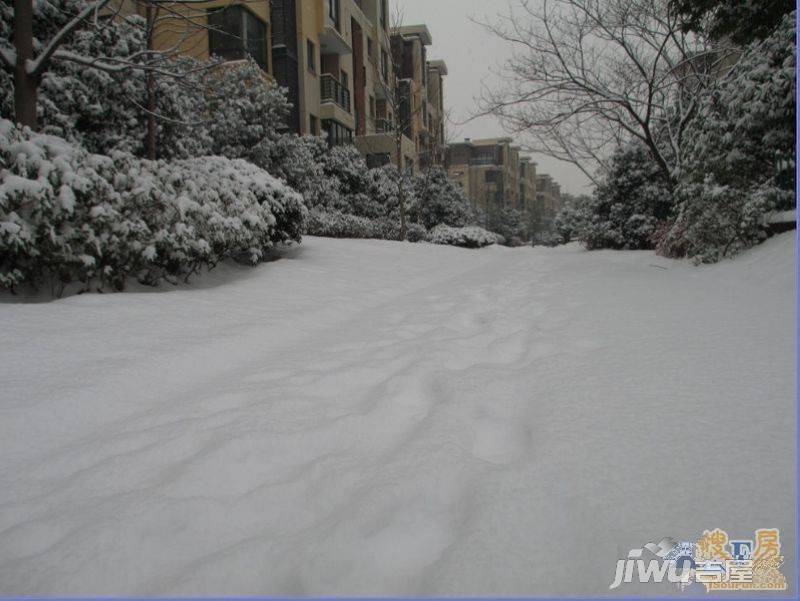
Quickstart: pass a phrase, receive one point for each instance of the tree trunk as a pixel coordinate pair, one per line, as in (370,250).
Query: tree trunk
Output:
(151,117)
(401,192)
(26,87)
(151,88)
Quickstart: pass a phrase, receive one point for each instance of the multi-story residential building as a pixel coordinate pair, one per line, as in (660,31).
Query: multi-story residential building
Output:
(410,60)
(548,200)
(434,153)
(383,140)
(318,52)
(335,58)
(488,171)
(229,29)
(526,198)
(345,76)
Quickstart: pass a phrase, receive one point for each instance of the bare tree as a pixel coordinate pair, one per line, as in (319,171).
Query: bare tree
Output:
(28,67)
(588,74)
(403,106)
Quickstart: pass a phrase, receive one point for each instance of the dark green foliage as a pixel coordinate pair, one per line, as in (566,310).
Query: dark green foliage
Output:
(742,21)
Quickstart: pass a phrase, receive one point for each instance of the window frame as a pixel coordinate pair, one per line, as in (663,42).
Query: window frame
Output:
(311,56)
(242,46)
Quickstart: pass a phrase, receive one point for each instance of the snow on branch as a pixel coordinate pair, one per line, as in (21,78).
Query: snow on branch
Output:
(37,66)
(8,56)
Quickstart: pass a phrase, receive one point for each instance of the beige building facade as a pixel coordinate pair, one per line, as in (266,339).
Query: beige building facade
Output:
(494,175)
(488,171)
(228,29)
(548,199)
(349,75)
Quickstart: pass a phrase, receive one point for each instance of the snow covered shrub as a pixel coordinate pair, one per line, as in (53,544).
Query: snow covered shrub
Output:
(467,237)
(571,219)
(299,161)
(628,205)
(384,187)
(739,153)
(438,200)
(416,233)
(335,224)
(72,216)
(245,112)
(509,225)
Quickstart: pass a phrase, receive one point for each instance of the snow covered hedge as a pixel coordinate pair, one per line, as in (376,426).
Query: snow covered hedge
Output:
(335,224)
(740,155)
(71,216)
(467,237)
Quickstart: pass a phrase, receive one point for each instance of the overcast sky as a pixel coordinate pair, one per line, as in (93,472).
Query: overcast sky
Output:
(471,55)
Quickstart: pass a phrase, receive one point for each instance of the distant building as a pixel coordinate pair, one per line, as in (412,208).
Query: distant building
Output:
(489,172)
(548,200)
(437,140)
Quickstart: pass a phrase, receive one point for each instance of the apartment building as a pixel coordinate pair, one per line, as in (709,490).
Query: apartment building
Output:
(526,198)
(317,49)
(348,74)
(410,59)
(334,57)
(434,153)
(488,171)
(548,200)
(229,29)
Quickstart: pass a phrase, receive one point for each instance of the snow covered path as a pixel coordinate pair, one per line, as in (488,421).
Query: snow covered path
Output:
(377,418)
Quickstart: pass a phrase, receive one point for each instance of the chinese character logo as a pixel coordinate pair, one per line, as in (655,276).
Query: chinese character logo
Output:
(751,565)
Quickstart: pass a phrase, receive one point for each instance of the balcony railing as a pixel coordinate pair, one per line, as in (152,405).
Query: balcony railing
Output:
(482,161)
(333,91)
(384,126)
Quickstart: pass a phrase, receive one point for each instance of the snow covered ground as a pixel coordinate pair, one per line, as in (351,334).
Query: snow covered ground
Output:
(377,418)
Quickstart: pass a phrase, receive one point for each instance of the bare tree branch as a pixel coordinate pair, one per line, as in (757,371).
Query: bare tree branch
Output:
(37,66)
(586,75)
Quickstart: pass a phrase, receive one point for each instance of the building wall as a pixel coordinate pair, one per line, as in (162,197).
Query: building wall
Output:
(186,32)
(494,175)
(548,195)
(436,113)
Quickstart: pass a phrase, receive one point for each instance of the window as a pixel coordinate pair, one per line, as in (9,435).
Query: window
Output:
(345,80)
(378,160)
(235,33)
(370,49)
(311,51)
(492,176)
(338,134)
(384,15)
(372,108)
(333,13)
(385,66)
(313,125)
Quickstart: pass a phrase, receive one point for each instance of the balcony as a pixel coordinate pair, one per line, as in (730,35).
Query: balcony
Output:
(383,126)
(331,38)
(480,161)
(332,91)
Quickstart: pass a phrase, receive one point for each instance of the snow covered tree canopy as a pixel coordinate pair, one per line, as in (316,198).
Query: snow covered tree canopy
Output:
(740,154)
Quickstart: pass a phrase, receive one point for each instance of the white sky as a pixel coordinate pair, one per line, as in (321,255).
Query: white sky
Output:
(472,55)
